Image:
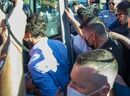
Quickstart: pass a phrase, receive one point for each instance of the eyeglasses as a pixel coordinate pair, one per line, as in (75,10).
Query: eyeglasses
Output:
(111,3)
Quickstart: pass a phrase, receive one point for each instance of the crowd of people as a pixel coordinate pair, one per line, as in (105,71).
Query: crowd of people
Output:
(102,47)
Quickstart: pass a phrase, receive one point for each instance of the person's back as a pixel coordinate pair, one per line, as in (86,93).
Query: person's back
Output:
(49,64)
(52,74)
(60,52)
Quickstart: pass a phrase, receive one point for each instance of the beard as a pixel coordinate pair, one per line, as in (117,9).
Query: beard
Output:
(90,45)
(30,44)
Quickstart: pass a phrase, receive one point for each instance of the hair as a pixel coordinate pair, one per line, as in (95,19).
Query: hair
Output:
(80,13)
(122,6)
(103,62)
(75,3)
(84,13)
(36,26)
(111,2)
(94,24)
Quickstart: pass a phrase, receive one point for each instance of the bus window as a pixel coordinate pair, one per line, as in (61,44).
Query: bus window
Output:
(51,15)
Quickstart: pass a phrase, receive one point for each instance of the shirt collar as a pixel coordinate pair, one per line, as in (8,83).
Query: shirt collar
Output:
(38,45)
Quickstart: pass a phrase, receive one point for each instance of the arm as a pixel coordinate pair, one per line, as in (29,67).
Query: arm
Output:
(17,21)
(13,65)
(75,22)
(121,38)
(128,19)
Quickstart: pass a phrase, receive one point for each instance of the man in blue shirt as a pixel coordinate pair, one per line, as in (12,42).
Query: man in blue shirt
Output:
(108,16)
(49,64)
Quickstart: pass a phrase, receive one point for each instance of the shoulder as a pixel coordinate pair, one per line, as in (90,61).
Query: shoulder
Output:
(113,46)
(114,42)
(121,90)
(56,43)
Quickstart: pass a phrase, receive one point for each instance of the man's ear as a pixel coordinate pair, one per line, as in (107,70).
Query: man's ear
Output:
(27,36)
(94,37)
(105,90)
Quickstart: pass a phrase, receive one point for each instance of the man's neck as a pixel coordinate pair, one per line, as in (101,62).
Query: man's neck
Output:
(36,40)
(101,41)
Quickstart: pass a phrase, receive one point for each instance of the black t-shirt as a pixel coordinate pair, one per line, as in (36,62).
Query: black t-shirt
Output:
(116,49)
(117,27)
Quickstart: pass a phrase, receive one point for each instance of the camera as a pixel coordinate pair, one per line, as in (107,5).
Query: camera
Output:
(7,6)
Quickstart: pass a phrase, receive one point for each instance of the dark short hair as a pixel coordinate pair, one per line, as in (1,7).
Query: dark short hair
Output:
(80,13)
(36,26)
(84,13)
(75,3)
(123,6)
(94,24)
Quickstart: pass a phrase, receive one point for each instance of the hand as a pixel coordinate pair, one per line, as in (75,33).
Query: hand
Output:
(69,15)
(17,20)
(123,19)
(115,35)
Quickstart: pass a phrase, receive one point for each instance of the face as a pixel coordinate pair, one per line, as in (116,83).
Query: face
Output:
(89,36)
(76,7)
(85,84)
(121,16)
(111,6)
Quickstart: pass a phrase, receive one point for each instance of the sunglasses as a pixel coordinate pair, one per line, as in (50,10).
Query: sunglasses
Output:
(111,3)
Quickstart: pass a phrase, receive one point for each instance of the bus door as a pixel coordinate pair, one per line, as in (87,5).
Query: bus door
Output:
(56,20)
